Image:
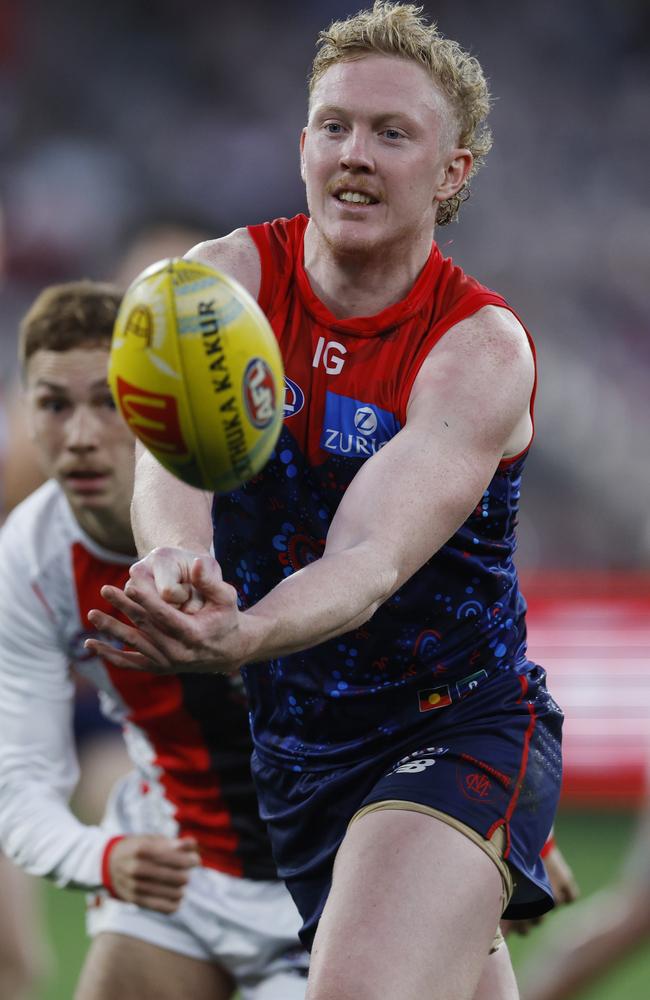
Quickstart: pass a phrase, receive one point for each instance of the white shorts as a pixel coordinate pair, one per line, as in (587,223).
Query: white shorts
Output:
(249,927)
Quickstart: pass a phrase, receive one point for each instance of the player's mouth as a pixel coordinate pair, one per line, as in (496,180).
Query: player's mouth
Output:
(85,481)
(354,197)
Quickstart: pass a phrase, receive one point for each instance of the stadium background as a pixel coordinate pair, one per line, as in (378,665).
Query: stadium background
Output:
(116,119)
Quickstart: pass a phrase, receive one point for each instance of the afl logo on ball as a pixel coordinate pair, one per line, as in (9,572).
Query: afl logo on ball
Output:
(259,393)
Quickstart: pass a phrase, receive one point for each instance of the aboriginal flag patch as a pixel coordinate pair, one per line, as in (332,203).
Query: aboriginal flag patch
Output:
(431,698)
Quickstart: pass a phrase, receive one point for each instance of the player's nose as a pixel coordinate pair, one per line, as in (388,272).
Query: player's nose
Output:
(82,430)
(356,151)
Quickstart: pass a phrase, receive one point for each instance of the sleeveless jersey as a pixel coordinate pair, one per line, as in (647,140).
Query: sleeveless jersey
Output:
(187,735)
(459,619)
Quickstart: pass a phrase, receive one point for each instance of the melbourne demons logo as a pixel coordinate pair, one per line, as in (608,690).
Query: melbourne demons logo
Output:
(294,398)
(153,417)
(259,393)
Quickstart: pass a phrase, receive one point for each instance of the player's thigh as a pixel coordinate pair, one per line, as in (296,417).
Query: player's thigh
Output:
(22,955)
(497,979)
(412,913)
(124,968)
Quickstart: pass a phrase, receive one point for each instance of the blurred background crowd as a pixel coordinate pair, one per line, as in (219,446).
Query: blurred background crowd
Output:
(130,131)
(163,119)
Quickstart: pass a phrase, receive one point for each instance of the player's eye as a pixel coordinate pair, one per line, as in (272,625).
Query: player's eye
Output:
(107,401)
(52,404)
(333,128)
(393,133)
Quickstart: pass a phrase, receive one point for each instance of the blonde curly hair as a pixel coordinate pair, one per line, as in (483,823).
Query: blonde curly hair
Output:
(400,30)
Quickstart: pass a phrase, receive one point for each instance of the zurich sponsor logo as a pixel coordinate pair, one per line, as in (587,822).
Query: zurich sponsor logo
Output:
(365,420)
(294,398)
(355,428)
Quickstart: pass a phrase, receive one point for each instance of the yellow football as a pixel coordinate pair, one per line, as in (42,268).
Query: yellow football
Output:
(196,372)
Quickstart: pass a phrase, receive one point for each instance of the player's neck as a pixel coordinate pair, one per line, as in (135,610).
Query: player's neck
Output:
(110,531)
(361,283)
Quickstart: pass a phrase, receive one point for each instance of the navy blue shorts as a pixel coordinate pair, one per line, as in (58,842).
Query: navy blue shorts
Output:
(490,760)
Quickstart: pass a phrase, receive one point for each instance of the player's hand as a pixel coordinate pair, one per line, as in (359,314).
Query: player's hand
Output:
(164,638)
(152,871)
(521,927)
(563,881)
(168,570)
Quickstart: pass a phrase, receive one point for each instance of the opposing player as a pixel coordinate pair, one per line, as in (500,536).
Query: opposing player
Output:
(563,882)
(184,888)
(407,754)
(604,930)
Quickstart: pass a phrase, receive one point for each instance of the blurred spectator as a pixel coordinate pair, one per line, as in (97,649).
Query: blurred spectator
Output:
(155,239)
(19,469)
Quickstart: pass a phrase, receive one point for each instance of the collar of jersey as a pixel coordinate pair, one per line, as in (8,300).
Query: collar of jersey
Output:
(370,326)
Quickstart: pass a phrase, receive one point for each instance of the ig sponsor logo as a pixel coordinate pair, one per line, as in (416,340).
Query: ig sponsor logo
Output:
(331,355)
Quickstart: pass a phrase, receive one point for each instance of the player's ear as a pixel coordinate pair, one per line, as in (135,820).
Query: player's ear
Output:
(453,173)
(303,138)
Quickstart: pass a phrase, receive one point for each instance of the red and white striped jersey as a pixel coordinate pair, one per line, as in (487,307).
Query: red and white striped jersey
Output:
(187,735)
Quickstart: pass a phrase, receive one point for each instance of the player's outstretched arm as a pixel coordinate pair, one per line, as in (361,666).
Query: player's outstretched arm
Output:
(172,524)
(563,881)
(469,407)
(172,521)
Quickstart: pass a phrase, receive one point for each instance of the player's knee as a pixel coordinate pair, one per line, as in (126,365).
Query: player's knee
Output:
(337,976)
(19,976)
(332,987)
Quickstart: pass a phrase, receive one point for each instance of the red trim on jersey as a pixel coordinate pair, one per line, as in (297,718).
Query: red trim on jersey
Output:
(523,682)
(155,705)
(522,771)
(273,245)
(41,596)
(548,847)
(107,880)
(442,296)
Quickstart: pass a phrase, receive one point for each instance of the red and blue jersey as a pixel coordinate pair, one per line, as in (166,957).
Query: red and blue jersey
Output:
(459,619)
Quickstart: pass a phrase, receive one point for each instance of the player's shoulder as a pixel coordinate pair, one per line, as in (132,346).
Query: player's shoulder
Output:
(495,329)
(235,254)
(40,525)
(44,504)
(485,356)
(491,340)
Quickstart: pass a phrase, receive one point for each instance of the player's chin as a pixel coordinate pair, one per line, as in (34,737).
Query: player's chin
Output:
(355,238)
(100,499)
